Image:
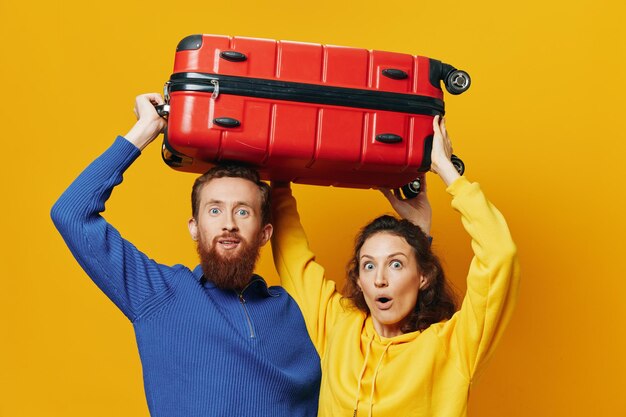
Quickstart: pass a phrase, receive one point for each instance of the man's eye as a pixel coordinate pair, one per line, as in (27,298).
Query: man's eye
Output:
(214,210)
(396,264)
(243,212)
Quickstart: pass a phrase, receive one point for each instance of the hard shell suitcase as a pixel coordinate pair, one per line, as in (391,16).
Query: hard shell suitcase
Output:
(302,112)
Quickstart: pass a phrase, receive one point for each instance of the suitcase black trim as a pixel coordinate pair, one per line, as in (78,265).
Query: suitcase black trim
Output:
(306,93)
(189,43)
(428,148)
(172,157)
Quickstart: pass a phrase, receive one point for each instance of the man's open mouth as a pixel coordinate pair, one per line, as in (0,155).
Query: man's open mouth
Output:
(228,243)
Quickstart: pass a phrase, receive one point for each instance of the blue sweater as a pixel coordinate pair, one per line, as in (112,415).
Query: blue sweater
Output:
(204,351)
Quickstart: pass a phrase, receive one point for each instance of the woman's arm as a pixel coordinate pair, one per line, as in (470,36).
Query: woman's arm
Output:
(302,277)
(493,276)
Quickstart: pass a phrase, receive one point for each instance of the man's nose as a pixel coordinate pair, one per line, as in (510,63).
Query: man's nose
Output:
(229,223)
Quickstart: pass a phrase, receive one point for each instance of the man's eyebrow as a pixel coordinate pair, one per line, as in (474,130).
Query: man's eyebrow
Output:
(213,201)
(236,203)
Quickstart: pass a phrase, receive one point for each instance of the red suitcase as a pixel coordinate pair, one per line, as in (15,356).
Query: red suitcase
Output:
(307,113)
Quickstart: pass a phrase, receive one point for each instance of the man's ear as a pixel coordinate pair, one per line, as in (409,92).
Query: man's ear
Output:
(193,228)
(266,233)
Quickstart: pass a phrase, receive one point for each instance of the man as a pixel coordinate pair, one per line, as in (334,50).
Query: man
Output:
(215,341)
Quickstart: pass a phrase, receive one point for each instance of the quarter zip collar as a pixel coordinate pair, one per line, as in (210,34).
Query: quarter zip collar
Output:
(256,287)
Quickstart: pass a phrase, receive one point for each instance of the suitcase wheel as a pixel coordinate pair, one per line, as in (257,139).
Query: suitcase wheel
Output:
(412,189)
(458,164)
(457,81)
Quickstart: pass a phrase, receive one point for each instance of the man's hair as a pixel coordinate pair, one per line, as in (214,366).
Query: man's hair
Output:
(232,170)
(435,301)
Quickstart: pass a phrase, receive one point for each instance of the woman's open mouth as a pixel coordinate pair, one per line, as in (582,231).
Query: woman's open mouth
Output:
(384,303)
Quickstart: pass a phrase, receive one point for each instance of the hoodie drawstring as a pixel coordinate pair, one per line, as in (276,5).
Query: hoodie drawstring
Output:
(358,390)
(374,377)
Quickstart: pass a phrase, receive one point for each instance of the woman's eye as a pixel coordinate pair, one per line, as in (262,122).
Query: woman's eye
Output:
(396,264)
(214,210)
(368,266)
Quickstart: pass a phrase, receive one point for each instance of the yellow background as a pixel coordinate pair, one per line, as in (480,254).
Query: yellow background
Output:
(542,129)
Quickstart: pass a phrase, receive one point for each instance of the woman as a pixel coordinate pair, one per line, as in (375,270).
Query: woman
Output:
(394,345)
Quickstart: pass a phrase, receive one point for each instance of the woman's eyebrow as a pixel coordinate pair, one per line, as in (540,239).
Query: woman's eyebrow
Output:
(391,255)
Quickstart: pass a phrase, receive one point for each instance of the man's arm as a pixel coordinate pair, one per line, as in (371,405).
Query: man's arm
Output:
(126,275)
(149,124)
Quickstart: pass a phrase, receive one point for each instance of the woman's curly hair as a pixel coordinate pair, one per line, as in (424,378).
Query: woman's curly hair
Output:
(435,300)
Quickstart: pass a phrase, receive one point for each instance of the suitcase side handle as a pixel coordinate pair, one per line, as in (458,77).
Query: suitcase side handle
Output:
(388,138)
(162,110)
(226,122)
(395,74)
(233,56)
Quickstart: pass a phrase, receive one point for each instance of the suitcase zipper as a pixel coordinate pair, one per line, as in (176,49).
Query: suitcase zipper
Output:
(305,93)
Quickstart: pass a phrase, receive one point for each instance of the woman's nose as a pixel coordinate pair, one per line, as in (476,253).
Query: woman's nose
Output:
(381,280)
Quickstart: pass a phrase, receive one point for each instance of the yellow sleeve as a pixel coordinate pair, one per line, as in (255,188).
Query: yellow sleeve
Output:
(492,280)
(300,275)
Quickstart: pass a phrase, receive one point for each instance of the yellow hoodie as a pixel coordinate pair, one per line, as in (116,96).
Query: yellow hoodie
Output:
(425,373)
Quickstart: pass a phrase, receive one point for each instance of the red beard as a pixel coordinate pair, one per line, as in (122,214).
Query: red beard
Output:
(232,272)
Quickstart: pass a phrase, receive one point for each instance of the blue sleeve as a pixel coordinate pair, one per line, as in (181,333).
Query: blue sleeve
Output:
(126,275)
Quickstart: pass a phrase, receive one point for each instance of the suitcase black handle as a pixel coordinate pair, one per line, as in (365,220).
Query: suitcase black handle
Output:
(162,110)
(233,56)
(388,138)
(226,122)
(395,74)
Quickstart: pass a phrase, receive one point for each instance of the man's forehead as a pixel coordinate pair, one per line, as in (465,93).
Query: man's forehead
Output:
(231,190)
